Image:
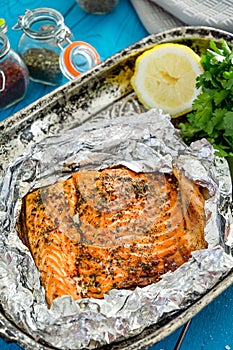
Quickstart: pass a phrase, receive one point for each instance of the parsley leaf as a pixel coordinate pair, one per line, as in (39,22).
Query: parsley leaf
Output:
(212,115)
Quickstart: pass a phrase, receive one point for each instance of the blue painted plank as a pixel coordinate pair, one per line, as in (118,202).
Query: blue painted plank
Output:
(8,346)
(211,329)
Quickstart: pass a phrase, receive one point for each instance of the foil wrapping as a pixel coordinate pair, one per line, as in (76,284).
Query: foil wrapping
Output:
(143,142)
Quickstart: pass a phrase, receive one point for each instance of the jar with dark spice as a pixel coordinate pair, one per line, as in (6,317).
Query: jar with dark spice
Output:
(38,46)
(14,77)
(97,6)
(44,41)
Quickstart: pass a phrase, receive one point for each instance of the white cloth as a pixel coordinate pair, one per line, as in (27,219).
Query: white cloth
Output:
(161,15)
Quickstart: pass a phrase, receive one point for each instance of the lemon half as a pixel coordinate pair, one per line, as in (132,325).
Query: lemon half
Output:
(165,77)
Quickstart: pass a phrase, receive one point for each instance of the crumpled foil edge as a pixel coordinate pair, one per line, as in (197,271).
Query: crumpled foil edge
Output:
(149,144)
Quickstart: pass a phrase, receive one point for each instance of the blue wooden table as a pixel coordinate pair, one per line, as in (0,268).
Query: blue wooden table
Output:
(212,328)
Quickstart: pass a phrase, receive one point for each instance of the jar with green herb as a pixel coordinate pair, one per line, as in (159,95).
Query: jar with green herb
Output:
(38,43)
(47,49)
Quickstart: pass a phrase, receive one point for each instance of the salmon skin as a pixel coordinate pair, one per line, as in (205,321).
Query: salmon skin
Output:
(112,228)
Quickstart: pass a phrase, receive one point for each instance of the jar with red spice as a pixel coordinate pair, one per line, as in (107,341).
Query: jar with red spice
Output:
(14,77)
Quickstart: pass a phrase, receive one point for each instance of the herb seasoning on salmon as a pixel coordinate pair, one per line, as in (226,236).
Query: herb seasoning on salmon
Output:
(112,228)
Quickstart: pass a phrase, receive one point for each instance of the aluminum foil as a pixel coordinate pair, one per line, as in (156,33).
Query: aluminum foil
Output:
(142,142)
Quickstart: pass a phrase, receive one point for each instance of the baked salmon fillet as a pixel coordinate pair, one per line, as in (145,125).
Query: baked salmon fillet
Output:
(112,228)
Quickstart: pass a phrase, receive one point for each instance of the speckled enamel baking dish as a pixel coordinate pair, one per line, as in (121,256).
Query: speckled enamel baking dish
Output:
(102,90)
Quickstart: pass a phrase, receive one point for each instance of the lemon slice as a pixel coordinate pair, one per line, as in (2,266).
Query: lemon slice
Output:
(165,77)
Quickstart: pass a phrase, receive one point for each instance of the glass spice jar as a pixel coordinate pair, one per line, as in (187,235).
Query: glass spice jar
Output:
(3,25)
(14,77)
(44,42)
(97,6)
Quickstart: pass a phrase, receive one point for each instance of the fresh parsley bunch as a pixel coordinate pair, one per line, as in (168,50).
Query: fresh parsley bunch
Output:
(212,115)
